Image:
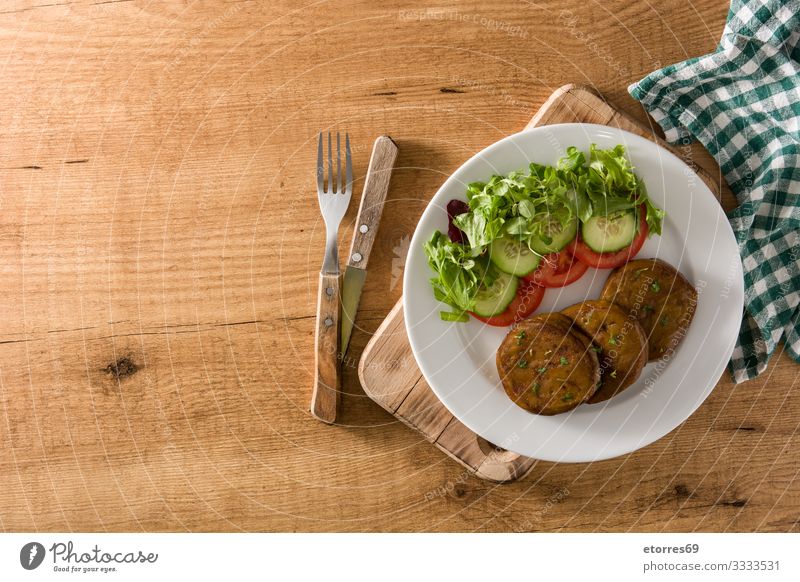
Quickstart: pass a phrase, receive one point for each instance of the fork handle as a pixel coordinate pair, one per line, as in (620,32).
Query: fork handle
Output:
(327,385)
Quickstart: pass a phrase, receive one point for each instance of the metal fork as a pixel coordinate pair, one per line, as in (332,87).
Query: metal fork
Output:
(333,204)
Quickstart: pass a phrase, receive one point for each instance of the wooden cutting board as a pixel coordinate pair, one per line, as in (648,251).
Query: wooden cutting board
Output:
(388,371)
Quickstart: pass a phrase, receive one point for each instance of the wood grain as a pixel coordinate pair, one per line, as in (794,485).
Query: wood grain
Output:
(160,240)
(326,393)
(370,209)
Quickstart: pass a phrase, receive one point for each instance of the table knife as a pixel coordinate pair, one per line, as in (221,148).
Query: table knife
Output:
(376,186)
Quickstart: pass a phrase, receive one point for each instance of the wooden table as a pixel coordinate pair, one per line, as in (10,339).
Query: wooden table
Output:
(160,243)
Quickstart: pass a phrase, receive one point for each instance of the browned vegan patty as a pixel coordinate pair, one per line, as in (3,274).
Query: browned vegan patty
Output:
(620,339)
(659,297)
(545,368)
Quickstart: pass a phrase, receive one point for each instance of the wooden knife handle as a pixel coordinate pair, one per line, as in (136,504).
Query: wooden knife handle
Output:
(376,186)
(327,384)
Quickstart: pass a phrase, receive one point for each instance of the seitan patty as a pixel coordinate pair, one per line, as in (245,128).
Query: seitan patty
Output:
(620,339)
(659,297)
(545,368)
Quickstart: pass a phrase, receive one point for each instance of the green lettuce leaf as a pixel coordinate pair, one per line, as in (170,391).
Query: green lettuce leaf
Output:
(612,186)
(524,206)
(456,281)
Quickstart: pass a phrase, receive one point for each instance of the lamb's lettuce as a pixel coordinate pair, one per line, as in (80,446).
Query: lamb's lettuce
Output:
(523,206)
(456,280)
(611,186)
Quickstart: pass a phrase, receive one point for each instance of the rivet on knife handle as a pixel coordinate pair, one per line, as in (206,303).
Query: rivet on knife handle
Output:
(376,186)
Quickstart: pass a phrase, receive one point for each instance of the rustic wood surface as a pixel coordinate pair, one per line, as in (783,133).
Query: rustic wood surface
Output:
(160,244)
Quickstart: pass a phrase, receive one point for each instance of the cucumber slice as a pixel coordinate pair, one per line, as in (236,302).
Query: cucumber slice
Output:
(495,298)
(560,236)
(608,234)
(513,256)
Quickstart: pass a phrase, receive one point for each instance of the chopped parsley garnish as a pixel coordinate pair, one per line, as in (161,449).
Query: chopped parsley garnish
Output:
(613,373)
(535,388)
(655,287)
(564,361)
(523,363)
(568,397)
(614,340)
(664,321)
(595,349)
(542,370)
(520,336)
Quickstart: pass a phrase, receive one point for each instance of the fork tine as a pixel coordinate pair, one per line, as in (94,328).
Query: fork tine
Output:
(348,164)
(320,167)
(339,164)
(330,166)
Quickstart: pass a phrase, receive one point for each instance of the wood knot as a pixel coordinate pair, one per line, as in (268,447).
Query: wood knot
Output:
(682,492)
(734,503)
(122,368)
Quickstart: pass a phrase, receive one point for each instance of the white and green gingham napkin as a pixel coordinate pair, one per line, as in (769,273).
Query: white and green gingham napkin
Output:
(742,102)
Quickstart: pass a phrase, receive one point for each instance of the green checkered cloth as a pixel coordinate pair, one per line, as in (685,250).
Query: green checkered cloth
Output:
(742,102)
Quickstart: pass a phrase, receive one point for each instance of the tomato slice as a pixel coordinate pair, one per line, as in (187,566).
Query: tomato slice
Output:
(529,296)
(611,260)
(558,270)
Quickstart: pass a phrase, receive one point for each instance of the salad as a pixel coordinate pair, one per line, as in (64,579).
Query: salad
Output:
(518,234)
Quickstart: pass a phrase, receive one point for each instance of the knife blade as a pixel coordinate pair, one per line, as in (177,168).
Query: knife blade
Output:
(376,186)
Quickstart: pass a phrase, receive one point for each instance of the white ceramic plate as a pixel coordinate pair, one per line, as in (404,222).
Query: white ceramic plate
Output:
(458,359)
